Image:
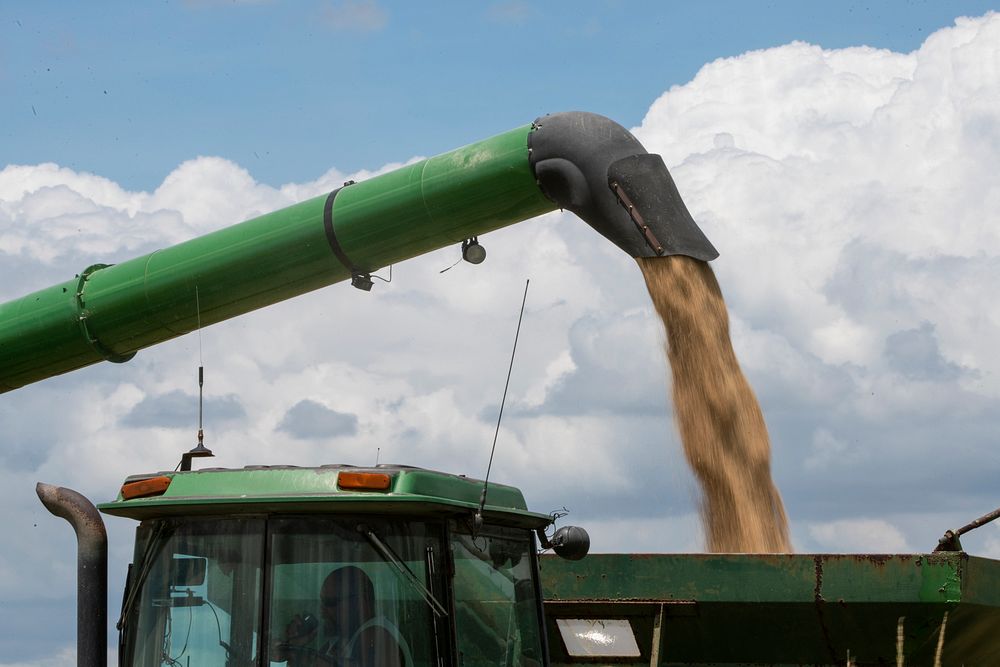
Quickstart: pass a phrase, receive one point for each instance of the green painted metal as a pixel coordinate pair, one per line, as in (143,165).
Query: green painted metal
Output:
(289,488)
(111,312)
(714,609)
(759,578)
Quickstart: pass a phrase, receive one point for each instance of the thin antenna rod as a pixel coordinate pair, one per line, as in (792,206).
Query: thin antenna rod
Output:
(201,373)
(199,449)
(197,306)
(486,482)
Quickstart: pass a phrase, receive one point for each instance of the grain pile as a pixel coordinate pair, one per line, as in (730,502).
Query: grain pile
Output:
(720,422)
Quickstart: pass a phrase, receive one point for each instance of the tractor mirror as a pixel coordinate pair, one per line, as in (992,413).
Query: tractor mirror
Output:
(187,571)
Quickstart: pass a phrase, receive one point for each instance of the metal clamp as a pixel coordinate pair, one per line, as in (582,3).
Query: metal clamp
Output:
(82,314)
(359,278)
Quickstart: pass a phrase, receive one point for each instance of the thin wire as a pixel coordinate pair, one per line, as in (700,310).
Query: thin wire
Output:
(383,279)
(482,500)
(452,266)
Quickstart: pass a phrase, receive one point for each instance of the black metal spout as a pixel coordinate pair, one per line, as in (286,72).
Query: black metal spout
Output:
(92,571)
(594,167)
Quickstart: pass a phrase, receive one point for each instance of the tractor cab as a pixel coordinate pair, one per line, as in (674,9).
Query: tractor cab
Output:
(276,565)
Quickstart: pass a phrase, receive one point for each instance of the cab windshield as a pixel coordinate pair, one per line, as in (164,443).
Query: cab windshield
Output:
(195,593)
(312,590)
(362,591)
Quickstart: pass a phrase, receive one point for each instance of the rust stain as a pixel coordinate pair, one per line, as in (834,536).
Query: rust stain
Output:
(818,588)
(821,606)
(878,560)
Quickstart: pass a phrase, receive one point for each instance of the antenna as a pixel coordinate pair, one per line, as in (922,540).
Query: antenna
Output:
(201,374)
(200,449)
(486,482)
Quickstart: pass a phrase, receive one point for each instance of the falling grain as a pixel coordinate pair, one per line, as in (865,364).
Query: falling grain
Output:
(720,422)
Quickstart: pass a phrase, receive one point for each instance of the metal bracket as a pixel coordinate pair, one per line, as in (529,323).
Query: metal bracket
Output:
(950,541)
(633,213)
(82,314)
(363,281)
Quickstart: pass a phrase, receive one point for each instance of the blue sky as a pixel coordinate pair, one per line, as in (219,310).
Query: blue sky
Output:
(288,89)
(841,157)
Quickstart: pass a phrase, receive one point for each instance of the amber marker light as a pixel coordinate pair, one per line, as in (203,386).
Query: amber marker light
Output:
(142,488)
(363,481)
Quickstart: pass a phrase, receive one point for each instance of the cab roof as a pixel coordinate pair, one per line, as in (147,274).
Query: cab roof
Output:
(283,489)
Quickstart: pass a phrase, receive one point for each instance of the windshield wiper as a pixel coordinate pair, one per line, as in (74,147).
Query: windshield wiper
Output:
(404,570)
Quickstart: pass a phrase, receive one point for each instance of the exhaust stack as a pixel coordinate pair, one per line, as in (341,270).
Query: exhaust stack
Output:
(91,570)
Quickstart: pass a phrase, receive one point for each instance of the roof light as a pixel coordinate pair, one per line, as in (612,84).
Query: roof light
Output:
(142,488)
(363,481)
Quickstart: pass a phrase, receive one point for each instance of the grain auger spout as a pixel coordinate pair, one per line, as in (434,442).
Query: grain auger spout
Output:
(578,161)
(594,167)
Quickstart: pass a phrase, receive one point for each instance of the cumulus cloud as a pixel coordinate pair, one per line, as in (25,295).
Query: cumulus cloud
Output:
(992,547)
(859,536)
(914,353)
(65,657)
(177,409)
(851,193)
(308,419)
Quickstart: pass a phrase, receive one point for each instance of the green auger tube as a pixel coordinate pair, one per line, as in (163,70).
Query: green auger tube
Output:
(111,312)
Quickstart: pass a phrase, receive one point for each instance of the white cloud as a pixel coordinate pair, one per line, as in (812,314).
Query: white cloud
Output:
(830,453)
(674,534)
(859,535)
(833,147)
(210,192)
(851,192)
(64,657)
(992,546)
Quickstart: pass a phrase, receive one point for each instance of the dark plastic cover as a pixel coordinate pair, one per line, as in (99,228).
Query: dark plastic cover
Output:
(575,156)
